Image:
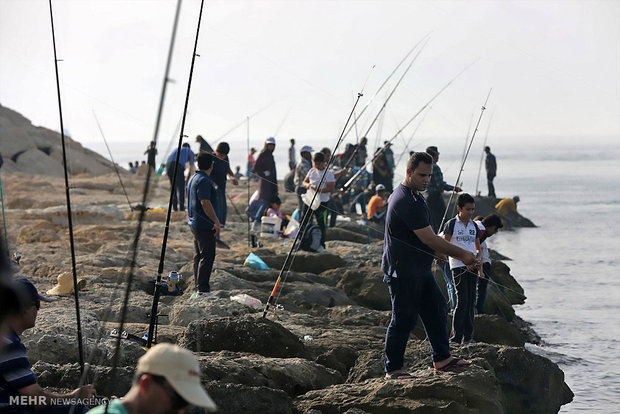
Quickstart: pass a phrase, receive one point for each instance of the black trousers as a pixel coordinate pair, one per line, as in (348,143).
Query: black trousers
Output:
(463,320)
(204,256)
(491,186)
(178,195)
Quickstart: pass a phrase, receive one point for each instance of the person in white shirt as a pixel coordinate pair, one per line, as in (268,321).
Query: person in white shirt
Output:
(327,187)
(463,232)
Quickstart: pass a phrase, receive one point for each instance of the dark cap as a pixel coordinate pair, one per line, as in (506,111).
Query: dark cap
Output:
(432,151)
(29,290)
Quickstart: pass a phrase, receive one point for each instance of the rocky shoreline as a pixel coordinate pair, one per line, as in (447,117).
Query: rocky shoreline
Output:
(335,300)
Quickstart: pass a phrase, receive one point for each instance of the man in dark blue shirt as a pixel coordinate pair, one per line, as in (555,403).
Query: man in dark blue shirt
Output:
(201,197)
(221,169)
(186,157)
(410,245)
(19,390)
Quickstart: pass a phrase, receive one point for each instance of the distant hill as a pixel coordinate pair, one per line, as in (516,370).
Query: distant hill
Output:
(37,150)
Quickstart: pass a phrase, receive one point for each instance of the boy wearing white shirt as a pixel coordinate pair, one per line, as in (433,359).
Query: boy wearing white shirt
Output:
(311,182)
(463,232)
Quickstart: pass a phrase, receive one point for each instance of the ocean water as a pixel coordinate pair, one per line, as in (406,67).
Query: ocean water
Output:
(568,265)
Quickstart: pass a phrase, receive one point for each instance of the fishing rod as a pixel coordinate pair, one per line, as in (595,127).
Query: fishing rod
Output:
(247,119)
(145,193)
(306,217)
(283,121)
(68,197)
(242,122)
(112,158)
(465,157)
(482,154)
(415,57)
(6,240)
(358,116)
(160,269)
(384,148)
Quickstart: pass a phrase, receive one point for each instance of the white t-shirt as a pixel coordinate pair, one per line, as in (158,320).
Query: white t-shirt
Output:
(463,236)
(486,257)
(314,176)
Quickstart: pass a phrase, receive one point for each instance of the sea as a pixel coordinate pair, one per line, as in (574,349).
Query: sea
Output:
(568,265)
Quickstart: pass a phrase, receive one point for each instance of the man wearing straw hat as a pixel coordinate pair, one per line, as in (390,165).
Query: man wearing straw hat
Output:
(167,380)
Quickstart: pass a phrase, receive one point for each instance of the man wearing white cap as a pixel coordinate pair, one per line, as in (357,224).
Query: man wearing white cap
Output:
(167,380)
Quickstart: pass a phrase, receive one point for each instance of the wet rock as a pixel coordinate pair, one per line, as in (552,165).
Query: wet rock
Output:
(246,334)
(365,286)
(493,329)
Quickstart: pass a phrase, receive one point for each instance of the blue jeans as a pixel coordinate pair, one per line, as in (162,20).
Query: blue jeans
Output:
(413,295)
(260,212)
(447,276)
(221,209)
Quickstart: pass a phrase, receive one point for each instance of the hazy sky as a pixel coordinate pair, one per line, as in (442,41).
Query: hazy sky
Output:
(554,67)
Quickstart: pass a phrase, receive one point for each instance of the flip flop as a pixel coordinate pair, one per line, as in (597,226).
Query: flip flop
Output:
(398,375)
(454,364)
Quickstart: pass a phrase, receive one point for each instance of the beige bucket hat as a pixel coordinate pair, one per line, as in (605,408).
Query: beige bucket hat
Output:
(65,284)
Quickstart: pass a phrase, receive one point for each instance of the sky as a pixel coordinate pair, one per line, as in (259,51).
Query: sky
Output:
(295,67)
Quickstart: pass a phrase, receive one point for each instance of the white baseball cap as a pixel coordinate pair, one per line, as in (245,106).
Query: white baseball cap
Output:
(181,369)
(306,148)
(270,140)
(379,187)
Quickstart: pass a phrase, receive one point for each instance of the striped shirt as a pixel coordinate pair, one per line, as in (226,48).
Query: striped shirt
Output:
(15,371)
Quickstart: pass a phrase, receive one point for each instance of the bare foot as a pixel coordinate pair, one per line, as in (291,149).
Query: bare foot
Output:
(451,363)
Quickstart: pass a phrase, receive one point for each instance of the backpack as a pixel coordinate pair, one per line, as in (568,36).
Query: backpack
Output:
(312,239)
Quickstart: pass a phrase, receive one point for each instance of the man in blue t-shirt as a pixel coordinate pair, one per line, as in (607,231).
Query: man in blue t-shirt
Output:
(410,245)
(186,156)
(201,199)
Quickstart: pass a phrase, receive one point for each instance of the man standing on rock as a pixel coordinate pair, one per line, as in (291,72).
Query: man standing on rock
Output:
(178,187)
(19,390)
(490,164)
(201,199)
(410,245)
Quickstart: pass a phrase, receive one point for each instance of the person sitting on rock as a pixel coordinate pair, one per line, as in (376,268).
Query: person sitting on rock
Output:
(377,206)
(16,377)
(507,206)
(167,380)
(488,226)
(275,211)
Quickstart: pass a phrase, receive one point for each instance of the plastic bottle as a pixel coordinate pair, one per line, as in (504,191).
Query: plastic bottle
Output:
(247,300)
(173,279)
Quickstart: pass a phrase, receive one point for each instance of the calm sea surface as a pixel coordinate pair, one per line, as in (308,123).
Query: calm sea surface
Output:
(568,265)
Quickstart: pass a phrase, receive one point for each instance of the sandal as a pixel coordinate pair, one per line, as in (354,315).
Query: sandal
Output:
(455,363)
(398,375)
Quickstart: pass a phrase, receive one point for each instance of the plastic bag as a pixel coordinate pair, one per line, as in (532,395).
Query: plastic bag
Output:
(307,199)
(292,228)
(247,300)
(255,262)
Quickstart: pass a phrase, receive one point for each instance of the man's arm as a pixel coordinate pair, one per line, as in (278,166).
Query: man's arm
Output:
(429,238)
(207,207)
(35,390)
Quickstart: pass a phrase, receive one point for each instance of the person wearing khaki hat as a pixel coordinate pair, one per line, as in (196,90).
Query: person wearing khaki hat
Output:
(167,380)
(65,284)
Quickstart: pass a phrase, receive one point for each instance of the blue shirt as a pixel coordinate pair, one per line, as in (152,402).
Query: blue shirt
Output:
(402,249)
(15,371)
(186,156)
(200,187)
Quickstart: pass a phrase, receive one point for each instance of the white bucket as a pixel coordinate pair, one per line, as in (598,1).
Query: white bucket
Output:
(269,226)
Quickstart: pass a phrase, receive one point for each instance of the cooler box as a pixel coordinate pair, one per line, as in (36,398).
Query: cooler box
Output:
(269,226)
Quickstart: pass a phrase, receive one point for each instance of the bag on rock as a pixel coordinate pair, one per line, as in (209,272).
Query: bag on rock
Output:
(312,239)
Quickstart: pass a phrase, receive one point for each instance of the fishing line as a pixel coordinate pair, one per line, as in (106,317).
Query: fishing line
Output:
(160,270)
(406,150)
(249,167)
(242,122)
(465,157)
(68,198)
(112,158)
(6,240)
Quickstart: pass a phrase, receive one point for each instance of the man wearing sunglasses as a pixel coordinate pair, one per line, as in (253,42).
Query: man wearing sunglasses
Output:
(19,390)
(167,380)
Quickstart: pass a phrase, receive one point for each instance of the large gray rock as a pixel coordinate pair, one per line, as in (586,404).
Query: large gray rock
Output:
(246,334)
(292,375)
(365,286)
(236,398)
